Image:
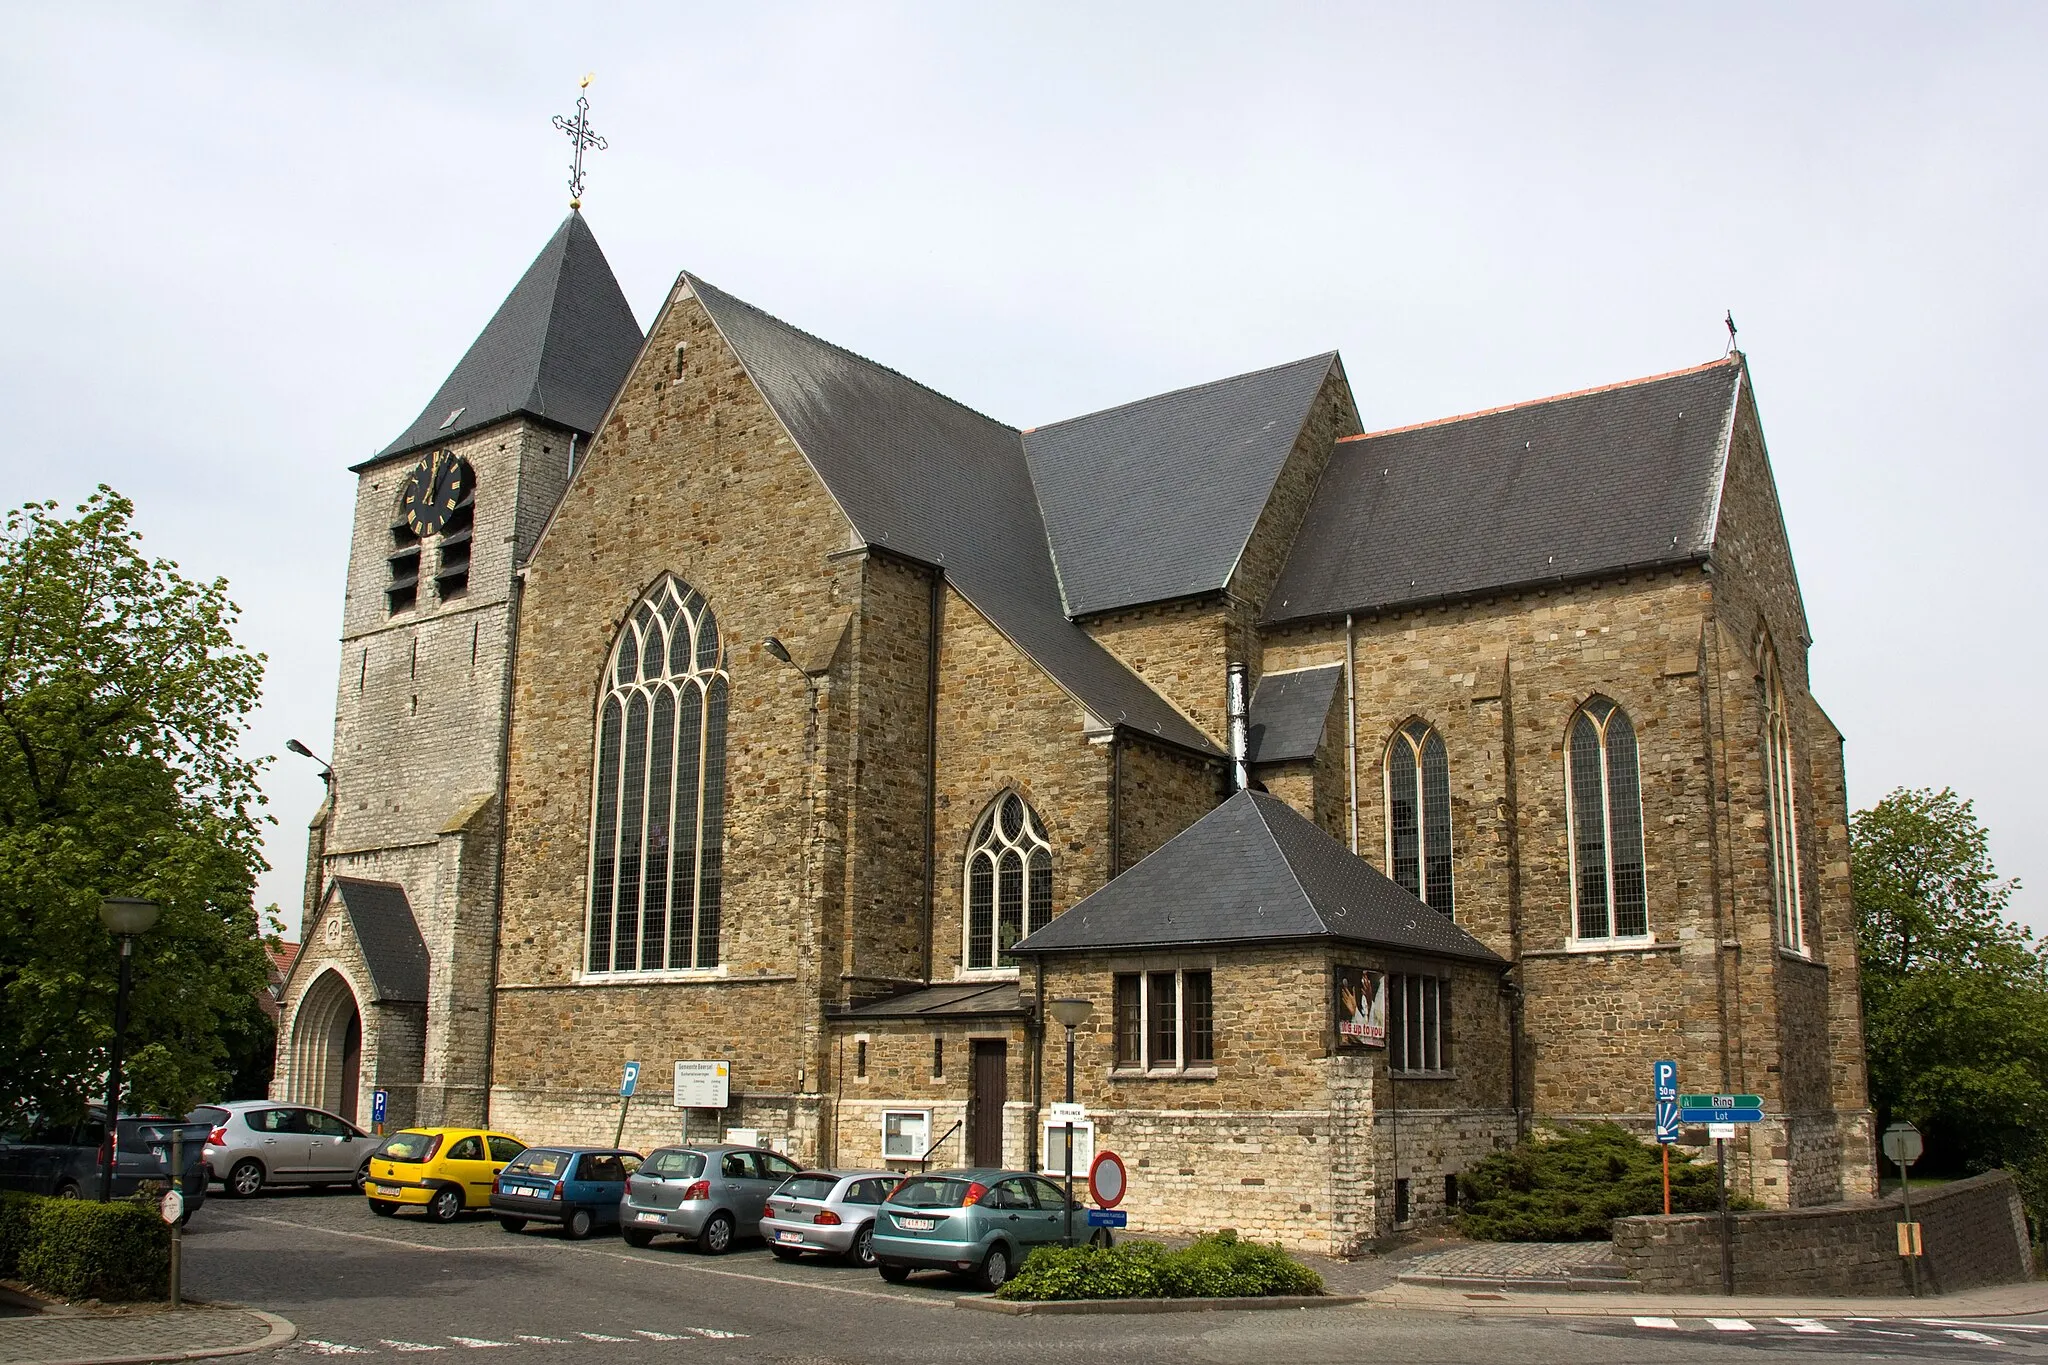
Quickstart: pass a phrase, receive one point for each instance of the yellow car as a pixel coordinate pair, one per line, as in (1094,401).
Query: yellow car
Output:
(443,1170)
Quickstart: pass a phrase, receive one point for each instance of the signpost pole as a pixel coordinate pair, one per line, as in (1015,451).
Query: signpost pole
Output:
(1727,1230)
(1906,1193)
(178,1184)
(1666,1149)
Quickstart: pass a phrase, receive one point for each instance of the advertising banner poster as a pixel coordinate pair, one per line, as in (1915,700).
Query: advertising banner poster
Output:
(1361,1007)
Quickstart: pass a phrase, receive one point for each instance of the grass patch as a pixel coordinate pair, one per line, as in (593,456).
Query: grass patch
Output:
(1571,1186)
(1214,1267)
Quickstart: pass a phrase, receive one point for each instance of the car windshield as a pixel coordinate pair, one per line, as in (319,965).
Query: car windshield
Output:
(688,1165)
(930,1192)
(539,1161)
(808,1186)
(410,1146)
(209,1115)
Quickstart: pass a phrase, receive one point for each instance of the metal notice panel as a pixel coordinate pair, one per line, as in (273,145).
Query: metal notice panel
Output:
(703,1085)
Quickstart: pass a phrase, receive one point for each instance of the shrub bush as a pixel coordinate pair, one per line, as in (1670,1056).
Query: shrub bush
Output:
(1214,1267)
(77,1249)
(1572,1186)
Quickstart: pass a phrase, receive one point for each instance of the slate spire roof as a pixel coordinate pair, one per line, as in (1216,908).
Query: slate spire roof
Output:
(1254,870)
(1626,477)
(558,348)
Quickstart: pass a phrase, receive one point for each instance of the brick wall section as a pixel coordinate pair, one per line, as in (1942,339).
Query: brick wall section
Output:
(899,1076)
(1182,650)
(1332,415)
(1164,791)
(1973,1233)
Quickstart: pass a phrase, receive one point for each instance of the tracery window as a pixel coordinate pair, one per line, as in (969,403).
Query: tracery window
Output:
(1608,892)
(1784,820)
(1009,881)
(658,820)
(1419,813)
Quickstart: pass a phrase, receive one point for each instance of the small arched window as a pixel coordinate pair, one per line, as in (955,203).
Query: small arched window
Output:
(658,818)
(1009,881)
(1419,813)
(1608,892)
(1784,820)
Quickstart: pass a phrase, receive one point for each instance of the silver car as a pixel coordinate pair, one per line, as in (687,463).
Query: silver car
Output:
(255,1143)
(707,1194)
(827,1211)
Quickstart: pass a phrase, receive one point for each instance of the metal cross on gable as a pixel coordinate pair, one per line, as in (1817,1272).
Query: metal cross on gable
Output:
(580,137)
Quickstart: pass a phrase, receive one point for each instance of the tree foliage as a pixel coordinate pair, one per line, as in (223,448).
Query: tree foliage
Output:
(123,697)
(1955,995)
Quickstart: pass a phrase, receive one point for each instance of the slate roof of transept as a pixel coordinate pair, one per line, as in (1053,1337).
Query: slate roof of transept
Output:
(1288,712)
(1616,479)
(558,348)
(1156,499)
(927,477)
(389,936)
(1254,870)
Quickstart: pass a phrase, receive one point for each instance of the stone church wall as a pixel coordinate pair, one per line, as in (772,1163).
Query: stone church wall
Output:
(1164,791)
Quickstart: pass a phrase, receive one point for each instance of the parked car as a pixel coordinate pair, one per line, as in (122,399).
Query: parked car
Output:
(826,1211)
(64,1158)
(442,1170)
(706,1194)
(975,1222)
(579,1187)
(256,1143)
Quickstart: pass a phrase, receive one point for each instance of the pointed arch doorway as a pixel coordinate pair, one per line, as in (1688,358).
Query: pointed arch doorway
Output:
(327,1047)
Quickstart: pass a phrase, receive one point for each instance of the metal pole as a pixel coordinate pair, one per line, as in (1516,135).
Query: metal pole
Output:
(1069,1210)
(1906,1193)
(114,1073)
(1666,1148)
(178,1184)
(619,1134)
(1727,1228)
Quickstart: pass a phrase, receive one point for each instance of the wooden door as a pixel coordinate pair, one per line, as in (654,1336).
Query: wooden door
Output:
(985,1106)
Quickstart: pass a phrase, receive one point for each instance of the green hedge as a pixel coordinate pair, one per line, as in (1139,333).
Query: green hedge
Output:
(1569,1187)
(1216,1267)
(77,1249)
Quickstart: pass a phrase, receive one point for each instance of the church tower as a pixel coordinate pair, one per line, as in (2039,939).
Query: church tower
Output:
(392,989)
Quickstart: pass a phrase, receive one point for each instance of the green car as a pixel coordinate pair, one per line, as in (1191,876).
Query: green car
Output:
(980,1222)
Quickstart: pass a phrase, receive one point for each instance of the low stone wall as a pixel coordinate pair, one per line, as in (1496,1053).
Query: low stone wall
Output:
(1973,1232)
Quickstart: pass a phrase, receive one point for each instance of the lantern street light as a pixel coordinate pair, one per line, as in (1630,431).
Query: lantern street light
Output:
(125,917)
(1071,1013)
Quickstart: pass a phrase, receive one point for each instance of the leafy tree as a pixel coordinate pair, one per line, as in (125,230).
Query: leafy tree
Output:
(123,696)
(1955,995)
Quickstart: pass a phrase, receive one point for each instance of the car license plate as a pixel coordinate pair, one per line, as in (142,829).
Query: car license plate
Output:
(917,1224)
(793,1238)
(647,1218)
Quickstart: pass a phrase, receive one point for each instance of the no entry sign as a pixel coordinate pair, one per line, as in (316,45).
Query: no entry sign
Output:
(1106,1180)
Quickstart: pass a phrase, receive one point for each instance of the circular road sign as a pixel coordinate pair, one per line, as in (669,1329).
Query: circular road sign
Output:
(1106,1180)
(1901,1142)
(172,1207)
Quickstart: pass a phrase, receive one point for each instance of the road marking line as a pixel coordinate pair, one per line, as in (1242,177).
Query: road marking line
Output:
(369,1236)
(1879,1331)
(1731,1324)
(543,1341)
(477,1343)
(1668,1324)
(716,1335)
(1965,1322)
(409,1345)
(687,1267)
(1807,1325)
(1965,1334)
(658,1336)
(599,1336)
(335,1348)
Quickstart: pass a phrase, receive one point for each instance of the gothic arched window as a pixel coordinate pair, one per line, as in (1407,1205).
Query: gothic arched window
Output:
(1608,892)
(1009,881)
(1419,813)
(1784,819)
(658,820)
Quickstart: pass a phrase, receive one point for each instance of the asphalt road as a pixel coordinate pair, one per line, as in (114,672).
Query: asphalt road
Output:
(357,1285)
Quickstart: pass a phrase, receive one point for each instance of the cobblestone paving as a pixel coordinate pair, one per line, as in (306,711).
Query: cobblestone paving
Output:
(116,1335)
(1520,1260)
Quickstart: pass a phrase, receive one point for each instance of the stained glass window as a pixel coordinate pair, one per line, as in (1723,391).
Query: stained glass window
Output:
(1784,819)
(1610,896)
(1009,881)
(1419,813)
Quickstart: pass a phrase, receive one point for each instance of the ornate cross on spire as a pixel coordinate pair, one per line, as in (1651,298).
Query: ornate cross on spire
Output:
(580,137)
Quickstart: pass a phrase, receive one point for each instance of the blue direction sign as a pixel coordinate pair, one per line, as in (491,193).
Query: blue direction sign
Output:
(1664,1077)
(632,1079)
(380,1100)
(1721,1108)
(1108,1218)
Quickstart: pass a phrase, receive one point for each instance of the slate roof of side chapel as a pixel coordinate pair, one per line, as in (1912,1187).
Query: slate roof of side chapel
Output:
(389,936)
(925,476)
(1254,870)
(558,348)
(1287,713)
(1621,478)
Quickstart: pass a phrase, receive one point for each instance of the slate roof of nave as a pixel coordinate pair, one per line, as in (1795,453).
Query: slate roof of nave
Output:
(1620,478)
(558,348)
(927,477)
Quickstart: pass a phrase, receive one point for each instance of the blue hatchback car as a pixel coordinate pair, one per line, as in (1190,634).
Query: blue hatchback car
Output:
(578,1187)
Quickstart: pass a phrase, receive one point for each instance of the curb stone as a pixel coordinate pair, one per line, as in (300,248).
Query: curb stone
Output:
(1026,1308)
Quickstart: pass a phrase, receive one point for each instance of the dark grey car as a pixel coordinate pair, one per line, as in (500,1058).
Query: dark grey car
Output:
(708,1194)
(64,1157)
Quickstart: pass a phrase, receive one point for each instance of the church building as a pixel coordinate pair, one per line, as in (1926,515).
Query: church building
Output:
(723,698)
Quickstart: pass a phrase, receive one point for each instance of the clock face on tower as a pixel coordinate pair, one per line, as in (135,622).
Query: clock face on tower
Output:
(436,486)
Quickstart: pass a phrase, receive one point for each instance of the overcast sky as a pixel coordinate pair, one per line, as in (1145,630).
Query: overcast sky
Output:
(244,244)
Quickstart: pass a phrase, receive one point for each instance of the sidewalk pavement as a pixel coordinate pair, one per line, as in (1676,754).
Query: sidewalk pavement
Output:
(1993,1301)
(134,1336)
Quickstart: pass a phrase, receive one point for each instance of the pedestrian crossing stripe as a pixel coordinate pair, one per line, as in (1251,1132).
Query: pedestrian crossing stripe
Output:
(1667,1324)
(1731,1324)
(1808,1325)
(477,1343)
(410,1345)
(334,1348)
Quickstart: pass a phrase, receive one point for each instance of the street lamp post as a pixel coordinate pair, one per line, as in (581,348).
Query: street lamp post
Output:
(1072,1013)
(125,917)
